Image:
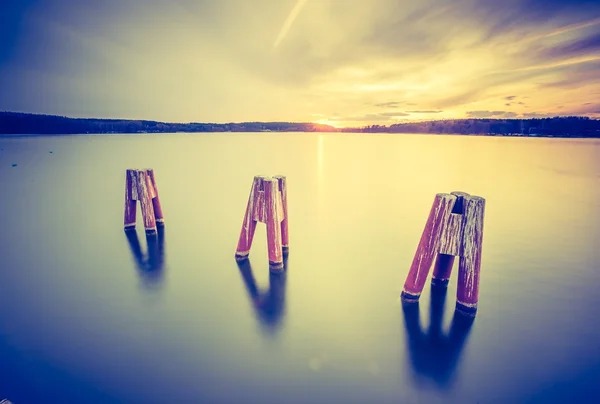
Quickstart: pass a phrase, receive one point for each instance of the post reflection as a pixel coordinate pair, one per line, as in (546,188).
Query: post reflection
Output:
(434,355)
(269,305)
(150,266)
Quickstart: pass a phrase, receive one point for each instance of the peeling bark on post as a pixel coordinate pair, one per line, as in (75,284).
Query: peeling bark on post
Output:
(130,200)
(428,245)
(450,242)
(449,246)
(249,223)
(450,235)
(158,213)
(144,193)
(273,222)
(284,223)
(258,208)
(470,255)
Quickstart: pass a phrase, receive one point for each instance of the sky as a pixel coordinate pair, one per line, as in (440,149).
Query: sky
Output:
(337,62)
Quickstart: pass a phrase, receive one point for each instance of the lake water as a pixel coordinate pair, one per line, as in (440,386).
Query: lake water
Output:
(87,318)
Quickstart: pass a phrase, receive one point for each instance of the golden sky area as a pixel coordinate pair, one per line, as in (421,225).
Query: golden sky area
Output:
(340,62)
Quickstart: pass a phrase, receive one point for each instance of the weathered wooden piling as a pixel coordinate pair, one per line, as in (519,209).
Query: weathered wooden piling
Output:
(428,245)
(140,185)
(130,199)
(250,219)
(284,223)
(158,213)
(267,203)
(469,265)
(454,228)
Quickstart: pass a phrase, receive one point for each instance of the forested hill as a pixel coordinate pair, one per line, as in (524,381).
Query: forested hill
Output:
(22,123)
(571,126)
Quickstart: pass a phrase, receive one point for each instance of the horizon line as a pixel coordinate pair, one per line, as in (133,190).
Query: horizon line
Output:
(305,122)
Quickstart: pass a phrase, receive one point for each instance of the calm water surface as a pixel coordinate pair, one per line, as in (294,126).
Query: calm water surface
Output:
(89,315)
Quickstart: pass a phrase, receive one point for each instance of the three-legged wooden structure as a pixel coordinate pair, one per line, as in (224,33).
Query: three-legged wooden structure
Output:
(140,185)
(267,204)
(454,228)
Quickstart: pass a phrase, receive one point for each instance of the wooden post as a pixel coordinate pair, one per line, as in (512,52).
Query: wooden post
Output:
(145,195)
(428,245)
(140,185)
(470,260)
(454,229)
(284,223)
(250,219)
(158,213)
(130,199)
(442,269)
(266,204)
(273,222)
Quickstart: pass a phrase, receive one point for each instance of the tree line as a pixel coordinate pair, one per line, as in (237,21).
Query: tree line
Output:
(22,123)
(569,126)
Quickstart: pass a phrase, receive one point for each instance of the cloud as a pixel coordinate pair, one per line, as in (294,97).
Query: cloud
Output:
(588,108)
(578,47)
(201,60)
(424,112)
(459,99)
(392,114)
(536,115)
(573,77)
(289,21)
(391,104)
(379,117)
(491,114)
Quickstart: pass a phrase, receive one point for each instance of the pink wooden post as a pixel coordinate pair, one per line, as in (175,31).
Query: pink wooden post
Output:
(250,219)
(284,223)
(442,269)
(130,199)
(140,185)
(158,213)
(145,195)
(266,204)
(417,275)
(469,264)
(274,213)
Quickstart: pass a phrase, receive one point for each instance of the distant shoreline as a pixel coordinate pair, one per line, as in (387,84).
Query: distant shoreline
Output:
(42,135)
(14,124)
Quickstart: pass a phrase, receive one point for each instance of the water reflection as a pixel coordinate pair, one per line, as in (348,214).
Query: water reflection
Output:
(269,305)
(150,266)
(434,355)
